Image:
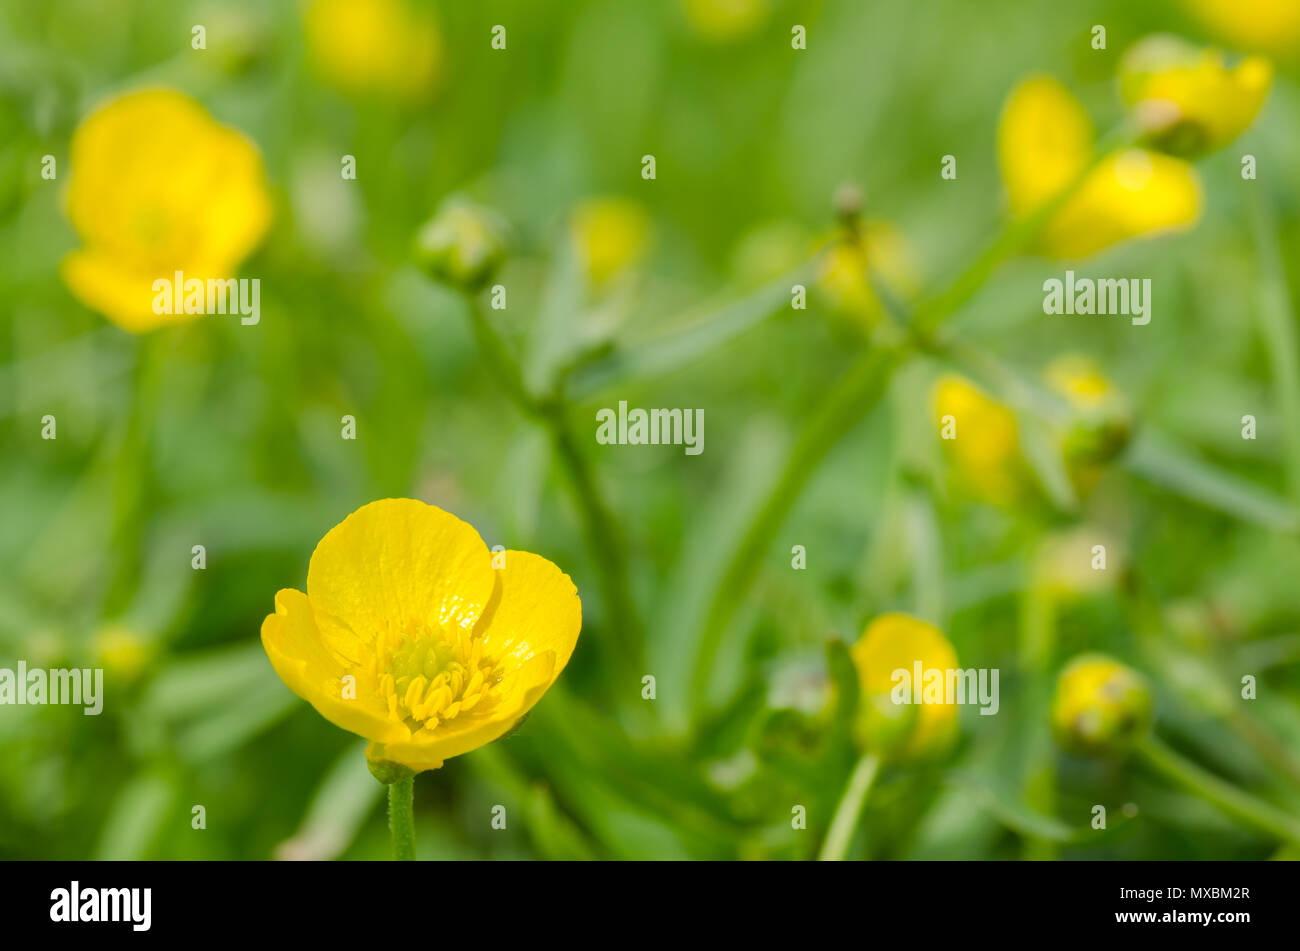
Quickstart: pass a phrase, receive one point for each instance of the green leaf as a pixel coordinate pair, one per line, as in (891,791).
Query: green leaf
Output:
(1162,463)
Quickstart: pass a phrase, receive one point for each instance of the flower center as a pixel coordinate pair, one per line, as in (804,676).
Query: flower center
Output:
(429,676)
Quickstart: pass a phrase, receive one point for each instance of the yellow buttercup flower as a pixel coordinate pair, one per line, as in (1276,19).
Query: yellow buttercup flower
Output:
(609,236)
(1189,96)
(890,724)
(1101,707)
(409,636)
(158,186)
(722,21)
(374,47)
(846,283)
(1045,142)
(1264,26)
(981,439)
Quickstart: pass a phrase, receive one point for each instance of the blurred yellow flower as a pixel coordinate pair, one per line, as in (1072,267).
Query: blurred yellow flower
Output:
(1190,99)
(375,47)
(1265,26)
(122,651)
(844,279)
(897,642)
(1100,422)
(981,439)
(1046,140)
(416,637)
(1101,707)
(721,21)
(157,186)
(609,235)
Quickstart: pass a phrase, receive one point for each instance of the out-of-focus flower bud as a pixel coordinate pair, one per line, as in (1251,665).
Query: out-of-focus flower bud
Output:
(890,722)
(1101,422)
(871,247)
(1101,706)
(1188,99)
(1069,564)
(122,651)
(386,48)
(981,440)
(462,245)
(609,236)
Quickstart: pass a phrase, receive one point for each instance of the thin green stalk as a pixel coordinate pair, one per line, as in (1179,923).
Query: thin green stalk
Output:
(401,818)
(1223,795)
(845,821)
(1037,648)
(848,401)
(1276,316)
(603,538)
(600,530)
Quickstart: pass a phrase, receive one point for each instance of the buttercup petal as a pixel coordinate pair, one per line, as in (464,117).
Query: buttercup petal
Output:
(1045,139)
(537,609)
(293,643)
(122,295)
(400,561)
(1128,195)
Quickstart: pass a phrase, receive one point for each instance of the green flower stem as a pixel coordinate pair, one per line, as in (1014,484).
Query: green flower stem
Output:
(603,538)
(600,530)
(849,400)
(1223,795)
(1276,316)
(1037,648)
(401,818)
(849,811)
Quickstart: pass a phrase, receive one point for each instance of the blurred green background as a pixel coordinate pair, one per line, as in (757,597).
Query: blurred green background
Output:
(228,436)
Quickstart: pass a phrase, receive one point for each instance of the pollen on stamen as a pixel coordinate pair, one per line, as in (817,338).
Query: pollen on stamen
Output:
(428,676)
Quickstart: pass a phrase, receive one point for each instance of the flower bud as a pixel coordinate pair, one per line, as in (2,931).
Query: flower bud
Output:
(1100,423)
(1101,707)
(890,723)
(609,235)
(981,440)
(1186,99)
(462,245)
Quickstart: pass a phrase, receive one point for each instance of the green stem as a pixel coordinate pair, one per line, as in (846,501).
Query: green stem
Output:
(1037,648)
(603,539)
(1223,795)
(1276,323)
(845,822)
(401,818)
(848,401)
(600,530)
